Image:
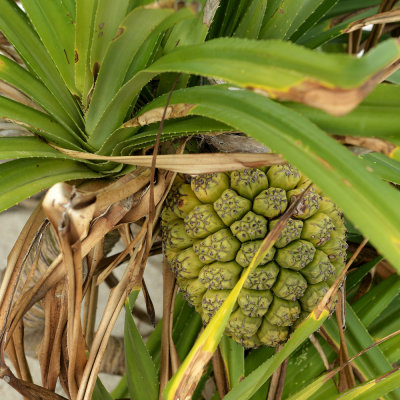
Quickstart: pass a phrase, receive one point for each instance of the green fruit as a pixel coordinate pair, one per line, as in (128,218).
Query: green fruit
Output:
(230,206)
(249,182)
(283,176)
(211,239)
(184,200)
(208,187)
(271,202)
(202,221)
(250,227)
(290,232)
(220,275)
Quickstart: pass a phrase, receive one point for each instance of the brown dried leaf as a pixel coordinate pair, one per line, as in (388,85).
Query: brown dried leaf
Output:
(371,143)
(141,209)
(49,353)
(18,353)
(334,101)
(380,18)
(168,289)
(175,360)
(156,115)
(114,306)
(26,389)
(89,311)
(15,262)
(56,271)
(346,376)
(63,205)
(220,374)
(122,188)
(189,163)
(70,213)
(128,250)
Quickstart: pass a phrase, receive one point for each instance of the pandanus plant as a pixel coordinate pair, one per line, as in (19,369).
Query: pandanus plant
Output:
(103,99)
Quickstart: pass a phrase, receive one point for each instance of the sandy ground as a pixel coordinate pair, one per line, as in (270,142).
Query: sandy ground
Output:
(11,223)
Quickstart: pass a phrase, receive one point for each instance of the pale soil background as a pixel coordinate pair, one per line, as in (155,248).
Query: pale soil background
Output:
(11,223)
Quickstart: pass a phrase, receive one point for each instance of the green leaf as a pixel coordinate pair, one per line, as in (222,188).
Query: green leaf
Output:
(181,311)
(132,32)
(20,78)
(355,277)
(70,5)
(314,388)
(251,22)
(373,389)
(304,365)
(172,129)
(362,196)
(358,338)
(186,32)
(272,66)
(383,166)
(345,6)
(328,29)
(109,14)
(227,17)
(280,23)
(121,390)
(43,124)
(233,357)
(308,21)
(187,326)
(54,25)
(148,49)
(15,26)
(20,179)
(394,78)
(140,369)
(391,348)
(373,303)
(275,65)
(100,392)
(27,147)
(255,358)
(85,15)
(387,322)
(256,379)
(272,7)
(365,120)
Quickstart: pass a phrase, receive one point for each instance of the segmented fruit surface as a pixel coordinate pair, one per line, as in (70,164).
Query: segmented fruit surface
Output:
(213,227)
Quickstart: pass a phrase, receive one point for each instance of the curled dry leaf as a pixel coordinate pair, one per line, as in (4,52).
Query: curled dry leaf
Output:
(156,115)
(63,202)
(71,213)
(380,18)
(335,101)
(371,143)
(81,217)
